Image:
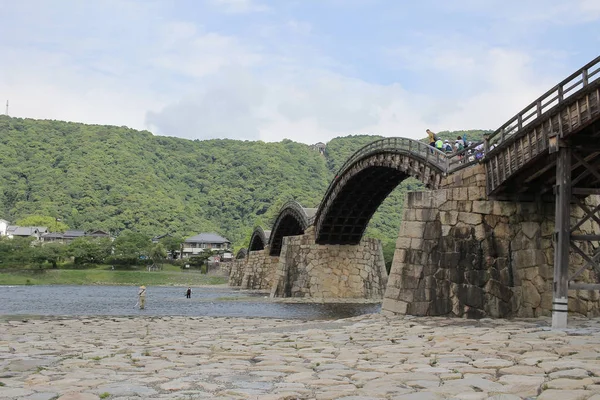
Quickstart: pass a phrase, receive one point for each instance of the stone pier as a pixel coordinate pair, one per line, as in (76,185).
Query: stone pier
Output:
(256,271)
(236,273)
(460,254)
(307,269)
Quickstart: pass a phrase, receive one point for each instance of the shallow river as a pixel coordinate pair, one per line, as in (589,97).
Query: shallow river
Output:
(121,300)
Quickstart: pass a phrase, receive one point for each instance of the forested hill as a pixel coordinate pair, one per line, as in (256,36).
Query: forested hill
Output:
(116,178)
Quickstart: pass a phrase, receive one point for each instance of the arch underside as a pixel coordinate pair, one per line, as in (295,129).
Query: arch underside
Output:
(241,254)
(356,202)
(289,223)
(259,239)
(360,188)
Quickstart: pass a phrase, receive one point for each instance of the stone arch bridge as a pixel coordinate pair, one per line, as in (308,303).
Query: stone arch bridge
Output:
(490,238)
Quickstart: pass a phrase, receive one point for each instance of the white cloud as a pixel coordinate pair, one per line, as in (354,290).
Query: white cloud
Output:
(228,105)
(239,6)
(183,79)
(198,55)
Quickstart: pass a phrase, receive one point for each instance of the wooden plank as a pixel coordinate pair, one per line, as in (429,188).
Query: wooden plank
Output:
(588,238)
(587,166)
(584,286)
(529,147)
(578,114)
(587,107)
(588,213)
(562,231)
(585,191)
(509,152)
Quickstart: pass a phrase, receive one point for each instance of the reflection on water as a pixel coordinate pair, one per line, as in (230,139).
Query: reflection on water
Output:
(121,300)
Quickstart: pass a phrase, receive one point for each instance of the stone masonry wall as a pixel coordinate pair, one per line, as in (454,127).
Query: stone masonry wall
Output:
(236,273)
(307,269)
(460,254)
(259,270)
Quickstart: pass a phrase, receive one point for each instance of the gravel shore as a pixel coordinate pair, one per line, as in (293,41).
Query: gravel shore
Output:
(360,358)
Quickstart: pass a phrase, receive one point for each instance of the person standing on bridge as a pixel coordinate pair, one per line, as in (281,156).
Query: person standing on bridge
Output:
(431,137)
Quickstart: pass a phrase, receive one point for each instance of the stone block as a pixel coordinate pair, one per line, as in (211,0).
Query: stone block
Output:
(419,308)
(464,206)
(476,193)
(477,277)
(449,217)
(394,306)
(403,242)
(529,258)
(503,208)
(499,290)
(496,308)
(460,193)
(531,297)
(416,243)
(440,196)
(420,199)
(578,306)
(450,205)
(433,230)
(412,229)
(426,214)
(471,295)
(482,207)
(470,218)
(481,232)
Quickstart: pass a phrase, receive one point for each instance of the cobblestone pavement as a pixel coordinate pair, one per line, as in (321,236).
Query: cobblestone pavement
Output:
(360,358)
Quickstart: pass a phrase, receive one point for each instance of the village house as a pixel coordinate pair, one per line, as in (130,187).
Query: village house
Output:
(157,238)
(202,242)
(3,226)
(13,231)
(71,235)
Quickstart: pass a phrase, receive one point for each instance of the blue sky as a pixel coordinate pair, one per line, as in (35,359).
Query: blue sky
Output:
(306,70)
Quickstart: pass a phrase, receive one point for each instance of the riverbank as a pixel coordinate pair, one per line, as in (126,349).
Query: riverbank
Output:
(366,357)
(108,277)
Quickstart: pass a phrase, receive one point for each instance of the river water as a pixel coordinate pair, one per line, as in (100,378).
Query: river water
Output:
(59,300)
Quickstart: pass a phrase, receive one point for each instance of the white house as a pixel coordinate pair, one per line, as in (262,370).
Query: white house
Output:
(204,241)
(26,231)
(3,227)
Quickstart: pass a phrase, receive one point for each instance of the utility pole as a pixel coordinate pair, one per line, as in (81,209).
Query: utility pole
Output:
(6,107)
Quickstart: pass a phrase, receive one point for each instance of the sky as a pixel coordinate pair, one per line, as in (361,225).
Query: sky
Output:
(305,70)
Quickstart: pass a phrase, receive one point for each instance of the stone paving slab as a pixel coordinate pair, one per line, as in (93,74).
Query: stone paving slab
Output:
(362,358)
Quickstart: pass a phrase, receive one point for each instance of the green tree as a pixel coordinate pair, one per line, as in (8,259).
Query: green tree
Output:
(53,224)
(49,252)
(158,254)
(172,244)
(131,246)
(89,250)
(15,252)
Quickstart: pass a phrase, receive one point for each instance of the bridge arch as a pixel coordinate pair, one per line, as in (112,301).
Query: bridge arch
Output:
(259,239)
(366,179)
(293,219)
(241,254)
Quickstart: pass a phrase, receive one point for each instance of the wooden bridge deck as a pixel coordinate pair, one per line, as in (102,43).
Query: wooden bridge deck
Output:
(518,160)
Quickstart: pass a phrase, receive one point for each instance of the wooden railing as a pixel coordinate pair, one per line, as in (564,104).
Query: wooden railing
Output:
(404,145)
(552,98)
(397,145)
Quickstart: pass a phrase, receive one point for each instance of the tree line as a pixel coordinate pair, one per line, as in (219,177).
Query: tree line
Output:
(129,249)
(119,179)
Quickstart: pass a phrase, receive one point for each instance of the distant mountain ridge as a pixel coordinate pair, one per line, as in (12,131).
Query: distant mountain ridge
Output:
(116,178)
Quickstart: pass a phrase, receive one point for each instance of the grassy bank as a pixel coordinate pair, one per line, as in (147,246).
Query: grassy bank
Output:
(104,277)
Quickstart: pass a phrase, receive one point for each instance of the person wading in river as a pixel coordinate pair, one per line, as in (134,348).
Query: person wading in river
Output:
(142,297)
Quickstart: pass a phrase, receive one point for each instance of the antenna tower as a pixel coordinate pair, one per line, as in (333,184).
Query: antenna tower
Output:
(6,107)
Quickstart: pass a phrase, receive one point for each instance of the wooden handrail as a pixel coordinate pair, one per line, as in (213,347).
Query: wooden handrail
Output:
(558,93)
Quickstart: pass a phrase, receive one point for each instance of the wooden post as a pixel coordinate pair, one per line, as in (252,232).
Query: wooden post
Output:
(562,230)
